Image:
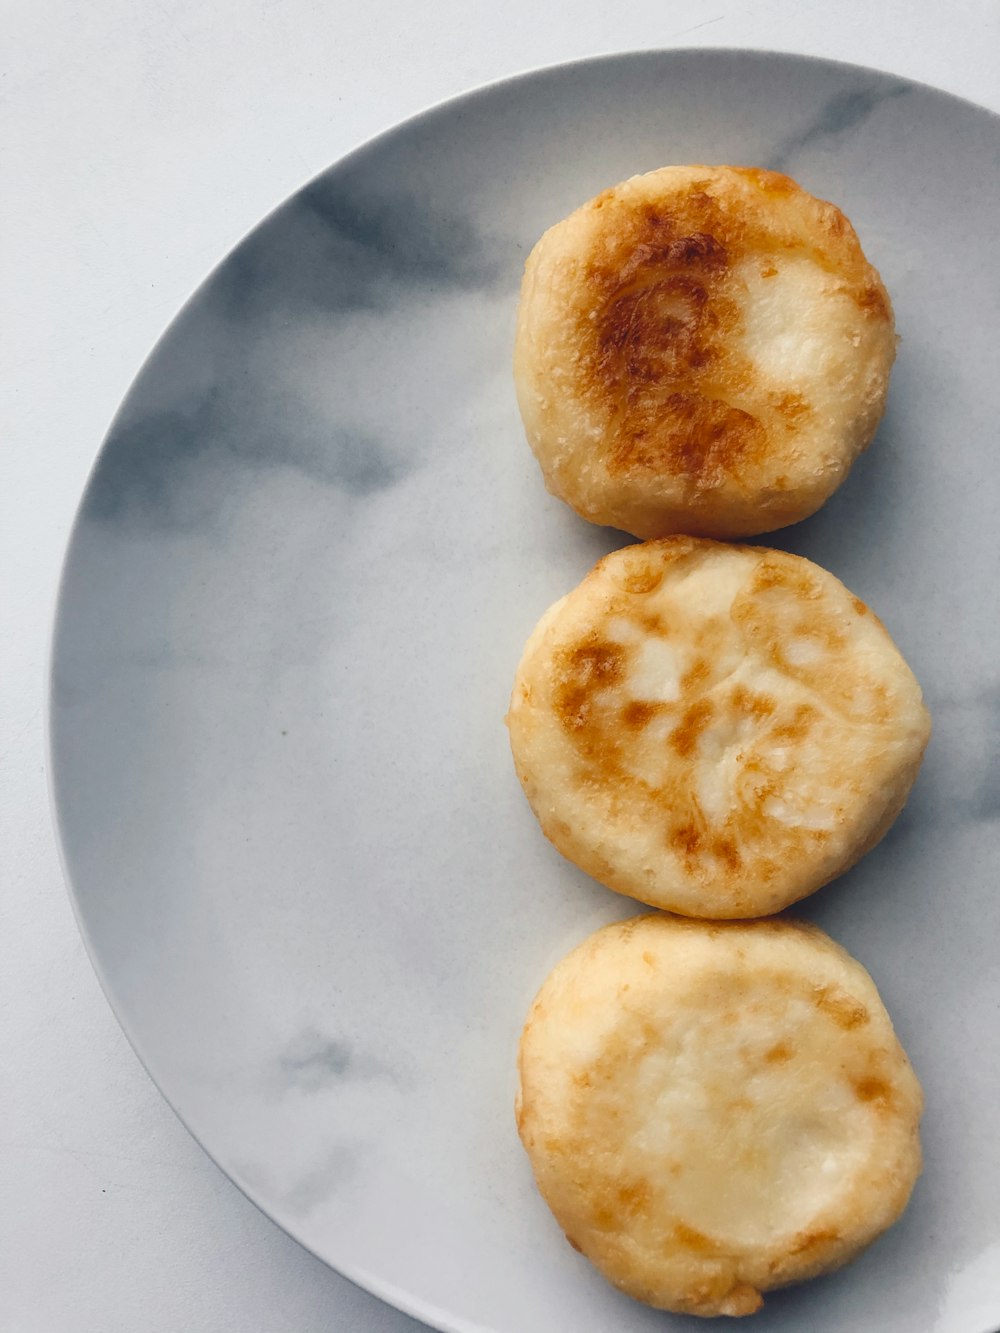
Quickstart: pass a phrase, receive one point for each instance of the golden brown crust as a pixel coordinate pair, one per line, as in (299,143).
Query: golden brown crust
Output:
(716,730)
(714,1110)
(703,350)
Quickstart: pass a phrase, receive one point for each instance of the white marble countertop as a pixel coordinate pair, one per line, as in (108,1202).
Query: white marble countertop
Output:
(140,142)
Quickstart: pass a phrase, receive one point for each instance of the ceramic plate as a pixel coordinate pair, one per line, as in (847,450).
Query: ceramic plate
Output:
(302,574)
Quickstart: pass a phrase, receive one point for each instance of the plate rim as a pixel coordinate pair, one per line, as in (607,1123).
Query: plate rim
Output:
(378,1287)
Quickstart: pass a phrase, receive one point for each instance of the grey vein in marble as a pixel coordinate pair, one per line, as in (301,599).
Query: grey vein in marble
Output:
(404,237)
(333,1168)
(162,471)
(317,1185)
(332,251)
(842,113)
(314,1062)
(337,248)
(318,940)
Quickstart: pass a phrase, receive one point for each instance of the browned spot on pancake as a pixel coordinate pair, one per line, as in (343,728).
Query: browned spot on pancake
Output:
(752,704)
(686,839)
(661,249)
(811,1240)
(582,1080)
(834,222)
(874,302)
(859,606)
(773,572)
(666,318)
(572,1242)
(602,662)
(640,712)
(693,1239)
(695,675)
(768,271)
(816,625)
(651,1034)
(684,738)
(652,331)
(724,849)
(800,725)
(634,1196)
(640,581)
(583,671)
(791,407)
(698,437)
(873,1090)
(845,1011)
(765,871)
(573,706)
(652,624)
(641,569)
(648,959)
(740,1104)
(881,709)
(779,1054)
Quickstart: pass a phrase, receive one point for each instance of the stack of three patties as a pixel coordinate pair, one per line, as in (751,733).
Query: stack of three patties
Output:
(713,1103)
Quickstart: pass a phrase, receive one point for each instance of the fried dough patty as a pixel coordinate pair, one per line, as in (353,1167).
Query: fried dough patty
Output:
(716,730)
(712,1110)
(701,350)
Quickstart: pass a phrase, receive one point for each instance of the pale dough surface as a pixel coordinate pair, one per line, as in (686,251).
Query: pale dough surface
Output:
(716,730)
(715,1109)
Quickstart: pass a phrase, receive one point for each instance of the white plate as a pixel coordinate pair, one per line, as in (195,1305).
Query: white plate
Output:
(302,574)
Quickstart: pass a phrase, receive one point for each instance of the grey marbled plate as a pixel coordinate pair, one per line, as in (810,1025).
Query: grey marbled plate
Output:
(304,568)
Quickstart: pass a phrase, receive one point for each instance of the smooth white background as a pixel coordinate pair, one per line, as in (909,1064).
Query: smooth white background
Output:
(140,140)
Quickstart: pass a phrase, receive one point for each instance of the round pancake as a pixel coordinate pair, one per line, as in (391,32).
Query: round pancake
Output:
(701,350)
(716,730)
(713,1110)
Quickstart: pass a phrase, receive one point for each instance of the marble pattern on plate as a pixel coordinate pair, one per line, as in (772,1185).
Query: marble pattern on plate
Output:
(302,575)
